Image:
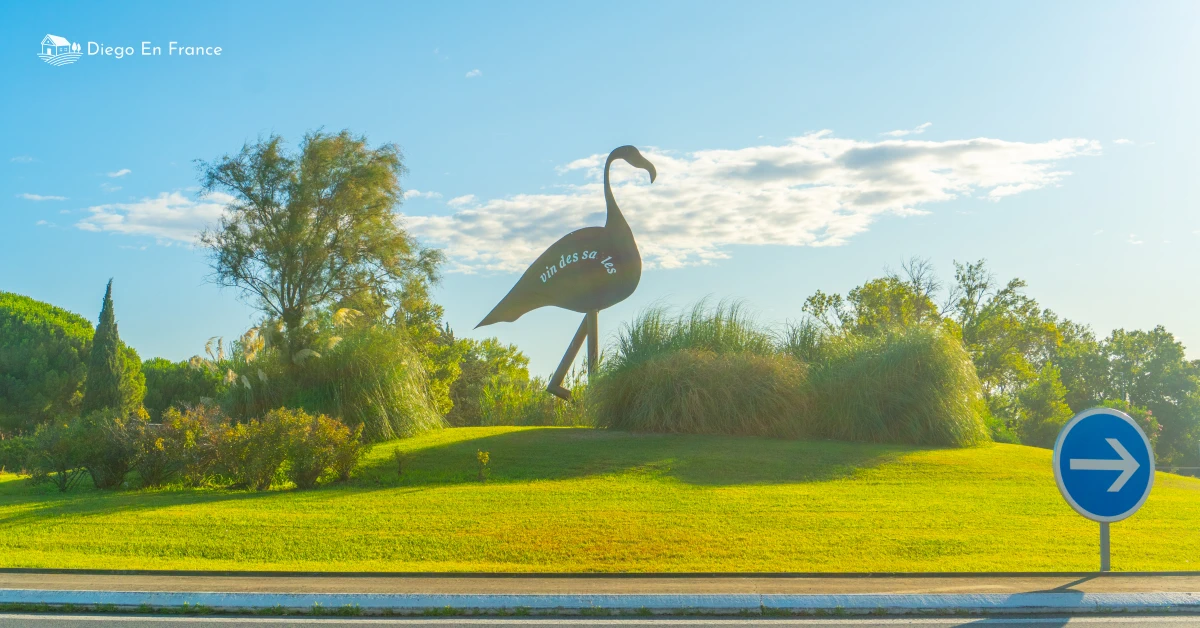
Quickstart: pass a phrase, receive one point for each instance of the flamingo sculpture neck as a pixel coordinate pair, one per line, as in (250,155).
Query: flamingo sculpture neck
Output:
(616,220)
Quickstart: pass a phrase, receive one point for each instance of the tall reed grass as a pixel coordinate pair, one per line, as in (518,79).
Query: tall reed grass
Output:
(715,370)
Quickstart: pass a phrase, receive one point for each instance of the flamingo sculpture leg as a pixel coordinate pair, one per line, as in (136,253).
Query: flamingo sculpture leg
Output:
(584,271)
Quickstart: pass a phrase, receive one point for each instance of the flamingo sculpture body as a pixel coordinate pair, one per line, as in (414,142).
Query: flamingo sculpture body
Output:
(584,271)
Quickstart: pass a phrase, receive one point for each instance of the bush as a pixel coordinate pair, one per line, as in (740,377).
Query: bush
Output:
(14,454)
(43,362)
(709,371)
(317,446)
(107,445)
(486,363)
(177,384)
(190,441)
(54,455)
(251,454)
(370,376)
(915,385)
(505,401)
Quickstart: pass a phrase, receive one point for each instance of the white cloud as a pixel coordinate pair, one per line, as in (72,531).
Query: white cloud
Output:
(38,197)
(1122,141)
(120,173)
(459,201)
(168,217)
(914,131)
(22,159)
(474,73)
(1133,239)
(41,223)
(814,190)
(419,194)
(108,187)
(1097,232)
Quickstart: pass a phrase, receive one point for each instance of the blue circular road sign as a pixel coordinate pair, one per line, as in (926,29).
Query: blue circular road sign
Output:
(1103,464)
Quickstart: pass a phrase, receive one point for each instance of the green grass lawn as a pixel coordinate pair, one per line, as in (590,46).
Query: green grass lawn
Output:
(563,499)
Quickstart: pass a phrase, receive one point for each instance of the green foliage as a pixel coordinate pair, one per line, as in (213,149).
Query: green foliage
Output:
(716,372)
(44,353)
(251,454)
(1143,417)
(114,377)
(700,391)
(1043,408)
(914,385)
(726,328)
(1150,370)
(190,442)
(484,364)
(54,455)
(178,384)
(42,368)
(365,374)
(14,454)
(317,446)
(107,442)
(506,401)
(331,204)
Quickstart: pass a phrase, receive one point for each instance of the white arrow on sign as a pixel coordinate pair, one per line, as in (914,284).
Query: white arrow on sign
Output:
(1126,465)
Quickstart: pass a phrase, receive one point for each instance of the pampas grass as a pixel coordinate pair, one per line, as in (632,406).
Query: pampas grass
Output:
(717,371)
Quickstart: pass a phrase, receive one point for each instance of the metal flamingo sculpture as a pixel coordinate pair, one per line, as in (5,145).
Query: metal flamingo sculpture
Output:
(584,271)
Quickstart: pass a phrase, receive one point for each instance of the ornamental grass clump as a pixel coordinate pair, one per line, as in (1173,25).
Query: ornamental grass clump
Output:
(915,385)
(707,371)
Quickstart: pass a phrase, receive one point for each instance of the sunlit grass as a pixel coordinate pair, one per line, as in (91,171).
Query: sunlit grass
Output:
(563,499)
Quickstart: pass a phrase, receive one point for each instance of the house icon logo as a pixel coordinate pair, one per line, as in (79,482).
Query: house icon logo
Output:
(58,51)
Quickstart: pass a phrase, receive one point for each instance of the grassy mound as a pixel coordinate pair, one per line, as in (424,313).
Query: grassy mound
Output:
(714,371)
(569,499)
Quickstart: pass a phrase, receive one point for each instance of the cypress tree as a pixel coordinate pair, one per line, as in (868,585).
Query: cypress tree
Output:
(106,369)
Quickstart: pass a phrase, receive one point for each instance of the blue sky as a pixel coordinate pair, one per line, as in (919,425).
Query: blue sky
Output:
(1056,140)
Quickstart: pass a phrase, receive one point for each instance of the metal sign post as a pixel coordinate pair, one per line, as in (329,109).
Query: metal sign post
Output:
(1104,468)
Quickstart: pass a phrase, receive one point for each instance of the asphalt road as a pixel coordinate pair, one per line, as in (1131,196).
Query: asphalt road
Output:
(113,621)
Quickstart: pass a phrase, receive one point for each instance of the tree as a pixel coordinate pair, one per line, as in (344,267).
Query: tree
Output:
(111,384)
(43,352)
(1149,369)
(315,228)
(484,362)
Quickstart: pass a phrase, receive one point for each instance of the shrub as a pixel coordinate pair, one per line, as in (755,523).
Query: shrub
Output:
(515,402)
(370,376)
(43,362)
(317,446)
(177,384)
(54,455)
(915,385)
(484,363)
(698,391)
(1043,410)
(191,439)
(155,463)
(14,454)
(107,441)
(251,454)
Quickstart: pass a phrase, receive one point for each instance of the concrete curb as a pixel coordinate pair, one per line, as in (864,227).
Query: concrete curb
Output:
(716,604)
